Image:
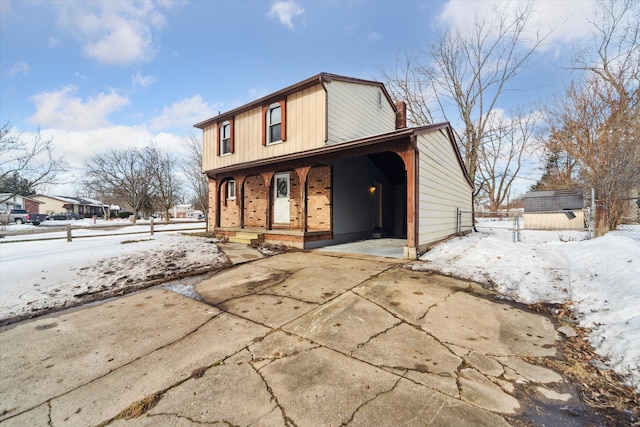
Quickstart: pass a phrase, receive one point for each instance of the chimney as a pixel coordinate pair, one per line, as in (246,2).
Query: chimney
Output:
(401,115)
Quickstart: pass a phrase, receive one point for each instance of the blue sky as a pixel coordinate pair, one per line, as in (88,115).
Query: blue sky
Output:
(112,74)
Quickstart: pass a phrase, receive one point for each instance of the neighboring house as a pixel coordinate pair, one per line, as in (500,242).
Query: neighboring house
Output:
(554,210)
(182,211)
(330,160)
(89,207)
(186,211)
(16,201)
(64,204)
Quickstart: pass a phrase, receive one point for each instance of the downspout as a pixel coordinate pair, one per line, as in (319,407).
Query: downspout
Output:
(322,79)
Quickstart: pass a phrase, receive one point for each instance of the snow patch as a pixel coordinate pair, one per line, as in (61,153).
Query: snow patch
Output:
(600,277)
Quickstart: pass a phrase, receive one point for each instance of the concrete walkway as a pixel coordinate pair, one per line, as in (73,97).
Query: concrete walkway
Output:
(239,253)
(386,247)
(299,339)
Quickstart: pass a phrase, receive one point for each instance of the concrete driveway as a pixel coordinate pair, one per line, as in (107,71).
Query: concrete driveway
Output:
(299,339)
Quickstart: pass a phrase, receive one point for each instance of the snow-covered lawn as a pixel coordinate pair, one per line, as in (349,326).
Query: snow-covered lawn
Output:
(88,227)
(600,278)
(41,276)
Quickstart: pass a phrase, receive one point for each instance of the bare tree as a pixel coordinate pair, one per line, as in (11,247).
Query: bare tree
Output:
(615,57)
(192,168)
(596,122)
(31,162)
(410,82)
(593,127)
(123,174)
(502,154)
(466,71)
(166,185)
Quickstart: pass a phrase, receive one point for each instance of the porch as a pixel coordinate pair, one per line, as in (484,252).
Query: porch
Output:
(384,247)
(344,193)
(295,238)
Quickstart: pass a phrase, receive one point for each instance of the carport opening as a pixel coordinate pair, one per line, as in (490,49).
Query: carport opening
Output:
(369,200)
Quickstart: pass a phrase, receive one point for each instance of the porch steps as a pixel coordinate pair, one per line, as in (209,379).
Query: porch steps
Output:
(247,238)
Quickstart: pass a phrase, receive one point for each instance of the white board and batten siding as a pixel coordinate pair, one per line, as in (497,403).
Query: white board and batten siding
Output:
(357,110)
(443,189)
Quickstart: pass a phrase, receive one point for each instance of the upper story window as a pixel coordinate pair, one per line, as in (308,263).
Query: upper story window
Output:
(225,138)
(274,123)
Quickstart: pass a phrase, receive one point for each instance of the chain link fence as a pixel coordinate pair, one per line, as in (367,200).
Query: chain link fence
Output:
(516,226)
(541,227)
(537,225)
(630,221)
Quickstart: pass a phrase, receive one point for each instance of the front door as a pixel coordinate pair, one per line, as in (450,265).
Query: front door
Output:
(281,209)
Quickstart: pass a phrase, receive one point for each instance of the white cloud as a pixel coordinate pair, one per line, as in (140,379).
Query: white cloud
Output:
(16,69)
(184,113)
(78,146)
(286,11)
(565,20)
(62,110)
(113,32)
(140,81)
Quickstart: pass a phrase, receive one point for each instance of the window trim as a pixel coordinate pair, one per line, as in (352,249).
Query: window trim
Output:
(266,125)
(272,124)
(231,195)
(220,141)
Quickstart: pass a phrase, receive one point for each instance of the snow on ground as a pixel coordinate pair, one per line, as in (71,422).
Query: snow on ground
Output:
(599,277)
(88,227)
(37,277)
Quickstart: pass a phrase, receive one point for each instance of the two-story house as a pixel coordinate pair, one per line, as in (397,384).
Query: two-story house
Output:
(330,160)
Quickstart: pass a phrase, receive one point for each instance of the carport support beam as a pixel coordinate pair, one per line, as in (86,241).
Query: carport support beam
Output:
(410,158)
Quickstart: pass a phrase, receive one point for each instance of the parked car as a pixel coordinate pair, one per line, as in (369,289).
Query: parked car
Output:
(66,216)
(15,215)
(20,216)
(35,218)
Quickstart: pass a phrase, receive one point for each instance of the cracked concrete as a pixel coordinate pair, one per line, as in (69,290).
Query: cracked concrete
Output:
(292,340)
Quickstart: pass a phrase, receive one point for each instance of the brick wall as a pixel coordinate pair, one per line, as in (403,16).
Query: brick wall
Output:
(255,202)
(31,207)
(256,196)
(229,214)
(229,208)
(319,198)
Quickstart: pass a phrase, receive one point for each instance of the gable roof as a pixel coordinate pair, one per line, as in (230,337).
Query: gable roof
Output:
(304,84)
(12,195)
(74,200)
